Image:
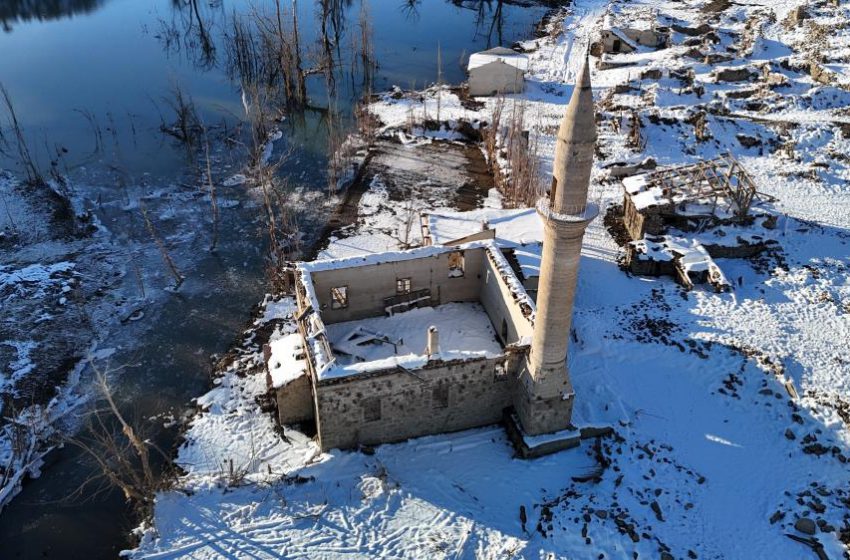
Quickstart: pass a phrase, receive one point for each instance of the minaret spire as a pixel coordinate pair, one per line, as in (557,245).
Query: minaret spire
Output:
(546,403)
(575,147)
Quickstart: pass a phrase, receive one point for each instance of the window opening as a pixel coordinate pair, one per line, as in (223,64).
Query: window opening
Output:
(339,297)
(456,264)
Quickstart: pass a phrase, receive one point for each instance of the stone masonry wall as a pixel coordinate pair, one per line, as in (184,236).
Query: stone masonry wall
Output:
(367,286)
(498,302)
(442,397)
(295,401)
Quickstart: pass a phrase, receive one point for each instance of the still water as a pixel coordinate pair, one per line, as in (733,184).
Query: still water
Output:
(91,82)
(73,65)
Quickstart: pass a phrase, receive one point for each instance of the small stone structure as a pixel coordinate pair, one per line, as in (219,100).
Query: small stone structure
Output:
(497,70)
(627,32)
(679,219)
(445,337)
(687,260)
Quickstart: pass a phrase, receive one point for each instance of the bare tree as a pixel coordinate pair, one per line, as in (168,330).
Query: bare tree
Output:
(122,449)
(25,156)
(522,184)
(163,250)
(186,126)
(211,189)
(512,154)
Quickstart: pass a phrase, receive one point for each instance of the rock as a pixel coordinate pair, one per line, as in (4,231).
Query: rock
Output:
(826,527)
(806,526)
(748,141)
(692,31)
(815,449)
(797,15)
(777,515)
(816,507)
(790,434)
(601,513)
(657,510)
(666,556)
(733,74)
(651,74)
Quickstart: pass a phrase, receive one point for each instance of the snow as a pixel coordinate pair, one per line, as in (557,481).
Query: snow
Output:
(465,332)
(276,309)
(712,458)
(437,497)
(498,54)
(286,361)
(372,259)
(519,225)
(528,256)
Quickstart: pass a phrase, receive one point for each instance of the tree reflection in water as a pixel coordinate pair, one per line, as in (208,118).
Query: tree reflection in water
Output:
(13,11)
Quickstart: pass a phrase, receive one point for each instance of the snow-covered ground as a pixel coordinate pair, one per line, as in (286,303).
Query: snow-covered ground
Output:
(464,330)
(730,410)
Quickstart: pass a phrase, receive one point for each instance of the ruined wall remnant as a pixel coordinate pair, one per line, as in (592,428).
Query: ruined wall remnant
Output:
(369,286)
(295,401)
(397,405)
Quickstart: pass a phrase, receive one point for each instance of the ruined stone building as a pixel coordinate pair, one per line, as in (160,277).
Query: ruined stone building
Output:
(445,337)
(680,219)
(628,29)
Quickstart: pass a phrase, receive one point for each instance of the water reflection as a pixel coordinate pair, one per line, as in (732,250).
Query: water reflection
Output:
(14,11)
(190,31)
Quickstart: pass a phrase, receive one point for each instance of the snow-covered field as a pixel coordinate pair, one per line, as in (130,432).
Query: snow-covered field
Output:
(730,410)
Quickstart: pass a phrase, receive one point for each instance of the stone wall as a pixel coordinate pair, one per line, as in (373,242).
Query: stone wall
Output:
(650,221)
(295,401)
(613,43)
(396,405)
(368,286)
(632,219)
(539,412)
(504,313)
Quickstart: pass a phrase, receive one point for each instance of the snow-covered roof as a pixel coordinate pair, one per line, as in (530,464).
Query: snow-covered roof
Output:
(498,54)
(622,36)
(520,225)
(642,192)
